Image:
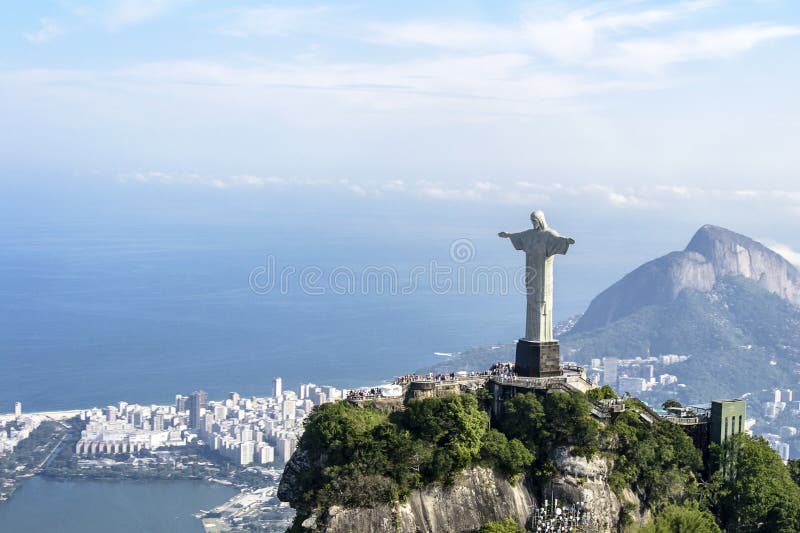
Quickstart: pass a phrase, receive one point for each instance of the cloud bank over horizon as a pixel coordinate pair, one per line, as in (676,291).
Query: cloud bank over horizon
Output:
(633,104)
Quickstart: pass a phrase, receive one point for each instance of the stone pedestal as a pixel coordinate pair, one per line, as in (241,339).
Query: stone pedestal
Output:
(538,359)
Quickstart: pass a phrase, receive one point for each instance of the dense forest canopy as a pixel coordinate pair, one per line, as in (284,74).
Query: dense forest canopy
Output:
(362,457)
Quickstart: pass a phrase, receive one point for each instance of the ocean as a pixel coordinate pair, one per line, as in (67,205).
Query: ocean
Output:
(90,316)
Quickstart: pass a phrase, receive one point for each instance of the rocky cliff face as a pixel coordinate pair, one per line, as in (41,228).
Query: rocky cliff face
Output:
(712,254)
(583,480)
(478,496)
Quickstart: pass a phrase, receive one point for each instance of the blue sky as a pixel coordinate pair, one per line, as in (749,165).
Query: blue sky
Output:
(626,104)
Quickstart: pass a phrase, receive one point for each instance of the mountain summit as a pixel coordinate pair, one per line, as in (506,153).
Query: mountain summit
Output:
(713,253)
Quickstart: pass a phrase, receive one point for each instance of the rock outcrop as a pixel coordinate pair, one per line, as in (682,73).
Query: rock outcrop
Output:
(713,254)
(583,480)
(478,496)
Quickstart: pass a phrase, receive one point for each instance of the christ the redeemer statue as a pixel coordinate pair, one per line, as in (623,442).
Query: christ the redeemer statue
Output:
(540,244)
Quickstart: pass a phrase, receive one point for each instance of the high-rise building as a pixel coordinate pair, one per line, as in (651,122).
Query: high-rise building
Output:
(197,400)
(319,397)
(180,403)
(246,452)
(277,388)
(266,454)
(332,393)
(110,413)
(630,385)
(285,448)
(289,407)
(18,409)
(305,390)
(782,448)
(234,397)
(610,371)
(207,424)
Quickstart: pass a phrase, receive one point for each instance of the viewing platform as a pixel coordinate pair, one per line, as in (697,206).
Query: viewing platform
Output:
(500,379)
(572,377)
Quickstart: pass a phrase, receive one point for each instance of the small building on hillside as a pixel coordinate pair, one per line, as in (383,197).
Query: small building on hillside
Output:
(727,419)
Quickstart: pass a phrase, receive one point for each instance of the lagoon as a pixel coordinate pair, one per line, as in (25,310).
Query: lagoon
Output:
(110,506)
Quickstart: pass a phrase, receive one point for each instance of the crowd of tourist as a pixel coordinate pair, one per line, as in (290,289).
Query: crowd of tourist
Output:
(502,370)
(362,394)
(505,370)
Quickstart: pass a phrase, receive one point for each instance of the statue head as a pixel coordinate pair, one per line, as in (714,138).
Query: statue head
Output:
(537,218)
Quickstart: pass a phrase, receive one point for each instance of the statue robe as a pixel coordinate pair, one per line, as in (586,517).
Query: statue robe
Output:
(539,246)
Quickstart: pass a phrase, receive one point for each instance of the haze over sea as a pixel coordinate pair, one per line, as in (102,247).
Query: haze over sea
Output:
(121,296)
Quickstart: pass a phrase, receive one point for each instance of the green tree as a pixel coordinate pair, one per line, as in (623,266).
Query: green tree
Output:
(509,525)
(510,457)
(794,470)
(570,423)
(671,403)
(355,457)
(453,424)
(752,487)
(602,393)
(658,461)
(334,426)
(682,519)
(524,419)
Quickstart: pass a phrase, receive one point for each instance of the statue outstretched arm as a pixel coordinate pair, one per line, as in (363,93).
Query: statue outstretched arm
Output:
(517,239)
(558,244)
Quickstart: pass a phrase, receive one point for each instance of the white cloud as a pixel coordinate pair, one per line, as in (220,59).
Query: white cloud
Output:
(598,36)
(565,34)
(444,34)
(525,193)
(786,251)
(269,21)
(48,30)
(122,13)
(474,87)
(487,72)
(656,54)
(484,190)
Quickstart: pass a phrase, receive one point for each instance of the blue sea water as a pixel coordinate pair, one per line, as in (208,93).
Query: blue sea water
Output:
(91,315)
(91,319)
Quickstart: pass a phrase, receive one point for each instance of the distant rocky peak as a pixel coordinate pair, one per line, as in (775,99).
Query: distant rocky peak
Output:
(713,254)
(709,240)
(733,254)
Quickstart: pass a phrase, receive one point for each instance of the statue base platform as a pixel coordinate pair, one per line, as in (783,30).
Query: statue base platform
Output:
(536,359)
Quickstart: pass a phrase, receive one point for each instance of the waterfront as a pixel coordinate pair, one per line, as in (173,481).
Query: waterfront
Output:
(110,507)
